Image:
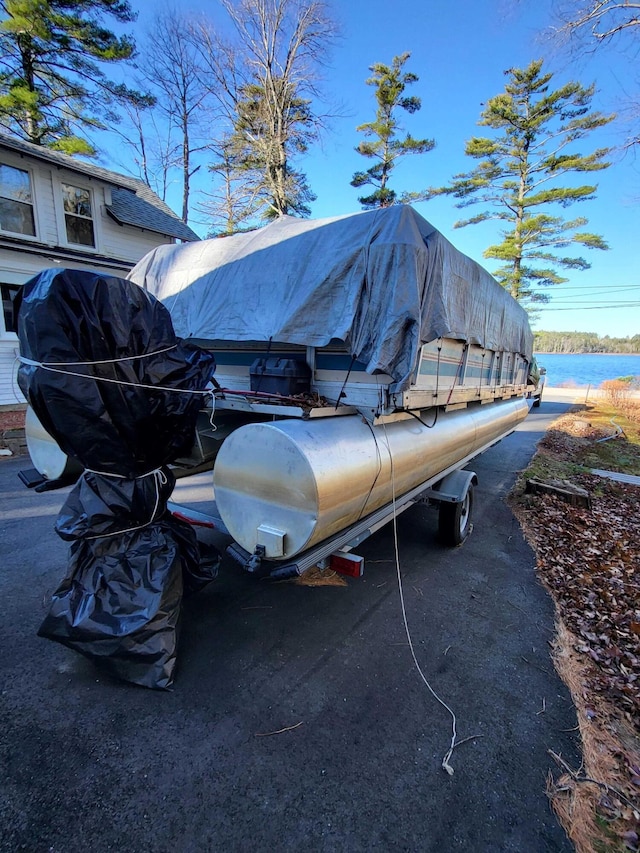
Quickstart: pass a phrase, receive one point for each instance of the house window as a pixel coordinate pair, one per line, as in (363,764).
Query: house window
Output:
(78,215)
(16,201)
(9,293)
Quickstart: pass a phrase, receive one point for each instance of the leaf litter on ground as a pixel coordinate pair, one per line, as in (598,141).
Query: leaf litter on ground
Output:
(589,559)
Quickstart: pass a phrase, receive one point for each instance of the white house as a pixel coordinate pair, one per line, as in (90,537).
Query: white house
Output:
(58,211)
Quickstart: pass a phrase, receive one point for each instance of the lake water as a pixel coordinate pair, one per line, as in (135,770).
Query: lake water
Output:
(587,369)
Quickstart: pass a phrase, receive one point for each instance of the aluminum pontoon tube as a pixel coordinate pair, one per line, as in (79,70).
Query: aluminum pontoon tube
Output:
(45,454)
(302,481)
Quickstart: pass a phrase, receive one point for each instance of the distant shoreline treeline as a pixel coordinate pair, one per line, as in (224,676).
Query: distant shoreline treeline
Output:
(584,342)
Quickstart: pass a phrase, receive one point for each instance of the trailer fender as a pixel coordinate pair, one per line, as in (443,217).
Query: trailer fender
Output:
(454,487)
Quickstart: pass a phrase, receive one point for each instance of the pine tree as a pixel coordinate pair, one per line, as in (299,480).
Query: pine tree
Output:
(521,177)
(257,136)
(52,86)
(385,147)
(234,202)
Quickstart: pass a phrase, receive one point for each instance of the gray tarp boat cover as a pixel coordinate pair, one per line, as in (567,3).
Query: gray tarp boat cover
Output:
(384,282)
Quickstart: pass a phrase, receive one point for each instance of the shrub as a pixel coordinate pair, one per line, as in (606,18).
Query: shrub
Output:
(620,392)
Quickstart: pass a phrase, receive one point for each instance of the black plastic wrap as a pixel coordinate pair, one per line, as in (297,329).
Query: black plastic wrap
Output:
(114,416)
(120,601)
(130,560)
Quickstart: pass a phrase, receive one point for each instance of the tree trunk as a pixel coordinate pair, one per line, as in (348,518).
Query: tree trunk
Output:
(25,47)
(186,177)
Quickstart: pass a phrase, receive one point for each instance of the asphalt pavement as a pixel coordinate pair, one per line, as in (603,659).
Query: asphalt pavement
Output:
(297,720)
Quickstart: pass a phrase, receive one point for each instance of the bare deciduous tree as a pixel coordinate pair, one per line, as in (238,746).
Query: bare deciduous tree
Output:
(600,20)
(265,81)
(587,25)
(150,144)
(171,66)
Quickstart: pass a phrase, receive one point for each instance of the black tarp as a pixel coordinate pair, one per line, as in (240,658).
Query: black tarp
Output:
(111,383)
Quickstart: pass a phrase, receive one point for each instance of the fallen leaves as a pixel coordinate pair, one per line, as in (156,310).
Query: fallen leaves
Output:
(589,559)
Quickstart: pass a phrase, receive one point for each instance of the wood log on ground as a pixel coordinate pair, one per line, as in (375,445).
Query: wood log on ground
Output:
(568,492)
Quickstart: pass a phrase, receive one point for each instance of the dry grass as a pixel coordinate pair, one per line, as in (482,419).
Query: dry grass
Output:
(593,802)
(315,576)
(584,439)
(621,394)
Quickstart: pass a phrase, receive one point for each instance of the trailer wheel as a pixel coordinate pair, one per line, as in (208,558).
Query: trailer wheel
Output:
(454,521)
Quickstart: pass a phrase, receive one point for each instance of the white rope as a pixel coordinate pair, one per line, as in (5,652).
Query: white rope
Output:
(121,476)
(15,388)
(445,761)
(213,426)
(104,361)
(46,366)
(160,479)
(109,474)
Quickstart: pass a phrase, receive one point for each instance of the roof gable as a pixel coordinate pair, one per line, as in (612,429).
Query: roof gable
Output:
(133,202)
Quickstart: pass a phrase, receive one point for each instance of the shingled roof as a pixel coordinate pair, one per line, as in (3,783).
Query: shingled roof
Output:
(132,201)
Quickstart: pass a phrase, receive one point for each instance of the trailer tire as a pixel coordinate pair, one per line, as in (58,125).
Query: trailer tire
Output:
(454,520)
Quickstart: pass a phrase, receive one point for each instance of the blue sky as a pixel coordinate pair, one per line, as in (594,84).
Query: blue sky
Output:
(460,52)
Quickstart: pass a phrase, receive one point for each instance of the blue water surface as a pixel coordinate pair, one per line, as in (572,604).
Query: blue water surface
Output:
(587,369)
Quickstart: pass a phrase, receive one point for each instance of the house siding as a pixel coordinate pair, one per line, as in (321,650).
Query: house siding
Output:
(17,267)
(117,249)
(10,394)
(128,243)
(45,214)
